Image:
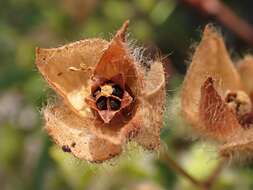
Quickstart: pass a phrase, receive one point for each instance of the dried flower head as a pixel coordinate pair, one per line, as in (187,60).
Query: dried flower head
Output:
(108,97)
(217,96)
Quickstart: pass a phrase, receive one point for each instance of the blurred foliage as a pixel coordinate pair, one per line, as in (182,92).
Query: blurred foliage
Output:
(28,160)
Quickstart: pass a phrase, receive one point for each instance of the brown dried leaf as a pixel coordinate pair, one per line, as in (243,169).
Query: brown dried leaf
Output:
(217,120)
(210,59)
(57,64)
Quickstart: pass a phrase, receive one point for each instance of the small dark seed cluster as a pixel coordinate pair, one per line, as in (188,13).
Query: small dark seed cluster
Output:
(112,102)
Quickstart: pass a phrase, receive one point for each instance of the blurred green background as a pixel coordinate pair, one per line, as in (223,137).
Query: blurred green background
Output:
(28,158)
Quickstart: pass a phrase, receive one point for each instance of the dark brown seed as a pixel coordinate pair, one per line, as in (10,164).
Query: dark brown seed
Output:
(96,92)
(102,103)
(114,103)
(66,148)
(59,74)
(117,91)
(73,144)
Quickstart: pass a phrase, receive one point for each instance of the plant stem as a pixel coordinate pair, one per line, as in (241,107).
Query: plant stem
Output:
(203,185)
(215,174)
(165,156)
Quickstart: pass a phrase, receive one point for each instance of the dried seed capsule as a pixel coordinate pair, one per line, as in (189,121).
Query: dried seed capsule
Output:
(80,124)
(117,91)
(102,103)
(114,103)
(239,102)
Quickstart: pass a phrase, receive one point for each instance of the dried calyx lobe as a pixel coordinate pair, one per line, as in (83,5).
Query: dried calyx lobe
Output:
(110,88)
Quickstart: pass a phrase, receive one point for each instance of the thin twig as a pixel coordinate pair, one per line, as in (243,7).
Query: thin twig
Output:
(165,156)
(206,184)
(226,16)
(209,182)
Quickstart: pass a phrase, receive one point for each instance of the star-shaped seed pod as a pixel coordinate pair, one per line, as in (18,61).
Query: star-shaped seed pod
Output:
(108,97)
(217,95)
